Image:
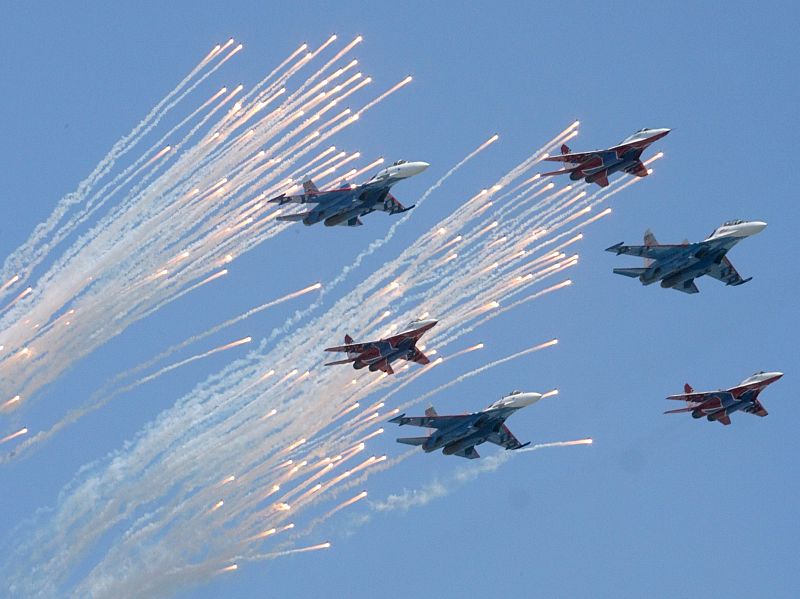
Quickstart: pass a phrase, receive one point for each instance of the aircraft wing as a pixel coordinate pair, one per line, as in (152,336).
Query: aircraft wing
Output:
(726,273)
(577,158)
(313,195)
(297,199)
(429,421)
(356,348)
(702,397)
(396,339)
(505,438)
(653,252)
(392,206)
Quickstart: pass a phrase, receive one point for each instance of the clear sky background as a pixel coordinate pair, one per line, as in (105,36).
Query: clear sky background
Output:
(658,506)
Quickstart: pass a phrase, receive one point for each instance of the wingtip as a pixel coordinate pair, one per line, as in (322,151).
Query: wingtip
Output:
(615,247)
(398,419)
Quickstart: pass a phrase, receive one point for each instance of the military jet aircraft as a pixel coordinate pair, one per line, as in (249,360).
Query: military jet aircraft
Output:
(676,266)
(596,166)
(458,435)
(719,405)
(345,206)
(379,355)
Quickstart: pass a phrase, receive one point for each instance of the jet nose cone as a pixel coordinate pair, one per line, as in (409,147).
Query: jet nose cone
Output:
(752,227)
(414,168)
(659,133)
(775,375)
(520,400)
(758,226)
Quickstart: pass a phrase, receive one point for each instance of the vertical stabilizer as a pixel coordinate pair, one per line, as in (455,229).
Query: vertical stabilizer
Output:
(649,241)
(687,388)
(348,340)
(431,412)
(310,187)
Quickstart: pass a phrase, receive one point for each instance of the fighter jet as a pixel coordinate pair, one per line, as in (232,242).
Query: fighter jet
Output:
(719,405)
(346,205)
(677,266)
(379,355)
(458,435)
(596,166)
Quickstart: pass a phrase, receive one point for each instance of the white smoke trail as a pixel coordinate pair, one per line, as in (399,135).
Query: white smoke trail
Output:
(437,489)
(271,418)
(124,268)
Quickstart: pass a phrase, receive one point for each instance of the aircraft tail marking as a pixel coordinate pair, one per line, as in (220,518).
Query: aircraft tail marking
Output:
(348,340)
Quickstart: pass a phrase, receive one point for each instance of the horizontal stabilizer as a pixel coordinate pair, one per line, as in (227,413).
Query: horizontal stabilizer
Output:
(412,440)
(293,218)
(337,362)
(680,410)
(630,272)
(565,171)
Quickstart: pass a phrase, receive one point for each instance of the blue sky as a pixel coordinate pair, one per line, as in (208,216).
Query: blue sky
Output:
(659,506)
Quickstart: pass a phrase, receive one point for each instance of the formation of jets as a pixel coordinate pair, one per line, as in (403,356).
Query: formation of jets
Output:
(676,266)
